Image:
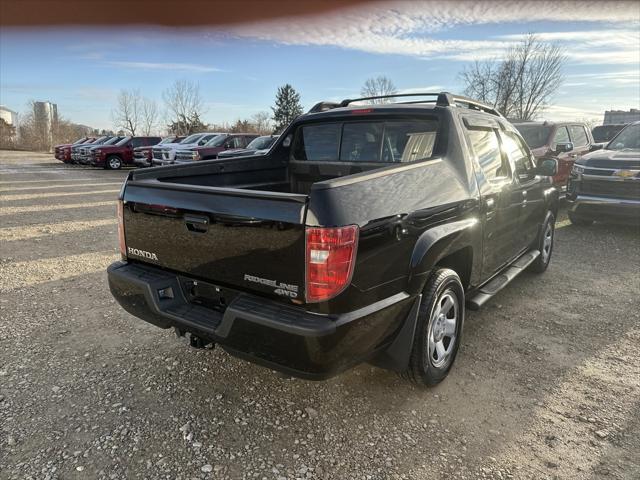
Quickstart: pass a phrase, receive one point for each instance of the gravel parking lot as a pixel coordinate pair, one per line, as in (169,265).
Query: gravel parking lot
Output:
(547,383)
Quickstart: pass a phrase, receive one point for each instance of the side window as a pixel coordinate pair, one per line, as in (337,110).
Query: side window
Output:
(484,143)
(135,142)
(204,139)
(518,152)
(578,136)
(238,142)
(562,135)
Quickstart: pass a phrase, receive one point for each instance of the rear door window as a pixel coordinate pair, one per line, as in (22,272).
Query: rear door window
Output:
(518,152)
(485,145)
(374,142)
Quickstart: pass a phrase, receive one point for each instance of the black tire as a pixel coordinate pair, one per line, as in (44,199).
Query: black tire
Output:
(544,244)
(424,367)
(579,221)
(113,162)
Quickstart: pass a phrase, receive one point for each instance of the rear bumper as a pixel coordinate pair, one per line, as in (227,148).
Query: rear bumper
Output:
(604,208)
(279,336)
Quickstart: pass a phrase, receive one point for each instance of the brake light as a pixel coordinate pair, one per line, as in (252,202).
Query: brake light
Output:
(121,242)
(330,258)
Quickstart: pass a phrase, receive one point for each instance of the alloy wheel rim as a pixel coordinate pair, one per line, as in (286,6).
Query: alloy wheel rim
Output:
(113,163)
(442,330)
(547,243)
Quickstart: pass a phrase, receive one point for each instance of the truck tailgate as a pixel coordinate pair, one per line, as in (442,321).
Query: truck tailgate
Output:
(253,240)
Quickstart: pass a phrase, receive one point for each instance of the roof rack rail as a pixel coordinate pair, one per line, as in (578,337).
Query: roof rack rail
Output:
(443,99)
(323,107)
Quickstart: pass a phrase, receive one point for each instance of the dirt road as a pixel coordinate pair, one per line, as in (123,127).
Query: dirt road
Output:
(547,383)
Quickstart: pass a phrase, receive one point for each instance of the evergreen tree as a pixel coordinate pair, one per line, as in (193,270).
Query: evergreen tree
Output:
(287,107)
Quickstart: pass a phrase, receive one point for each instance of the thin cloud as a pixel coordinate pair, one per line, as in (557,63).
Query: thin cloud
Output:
(407,28)
(181,67)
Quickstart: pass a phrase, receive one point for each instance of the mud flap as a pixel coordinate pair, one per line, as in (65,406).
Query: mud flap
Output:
(396,356)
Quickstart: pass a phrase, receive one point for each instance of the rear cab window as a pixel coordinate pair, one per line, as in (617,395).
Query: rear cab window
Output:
(391,141)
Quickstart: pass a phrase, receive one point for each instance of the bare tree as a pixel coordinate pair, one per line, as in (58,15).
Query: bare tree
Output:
(520,85)
(262,123)
(149,115)
(127,113)
(375,87)
(184,106)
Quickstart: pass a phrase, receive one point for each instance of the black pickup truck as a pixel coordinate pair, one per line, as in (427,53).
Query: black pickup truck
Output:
(360,237)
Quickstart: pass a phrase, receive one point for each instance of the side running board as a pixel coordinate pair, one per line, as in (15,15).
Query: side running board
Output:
(497,283)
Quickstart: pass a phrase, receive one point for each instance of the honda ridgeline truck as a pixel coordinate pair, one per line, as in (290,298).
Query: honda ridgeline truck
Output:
(360,237)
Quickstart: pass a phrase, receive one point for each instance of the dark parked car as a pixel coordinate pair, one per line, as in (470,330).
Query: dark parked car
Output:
(143,156)
(360,236)
(604,133)
(257,146)
(115,156)
(213,147)
(605,184)
(563,141)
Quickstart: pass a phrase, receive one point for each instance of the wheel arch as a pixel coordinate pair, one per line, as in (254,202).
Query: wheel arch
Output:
(453,245)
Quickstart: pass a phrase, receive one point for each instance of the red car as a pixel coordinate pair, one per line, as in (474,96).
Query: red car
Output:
(216,145)
(113,157)
(63,152)
(562,141)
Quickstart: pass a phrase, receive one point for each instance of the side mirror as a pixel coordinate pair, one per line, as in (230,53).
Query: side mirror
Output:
(596,146)
(548,168)
(564,147)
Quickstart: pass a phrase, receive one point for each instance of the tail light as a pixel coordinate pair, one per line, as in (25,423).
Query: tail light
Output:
(121,242)
(330,258)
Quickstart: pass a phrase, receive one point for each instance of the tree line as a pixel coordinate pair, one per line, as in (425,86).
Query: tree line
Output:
(520,85)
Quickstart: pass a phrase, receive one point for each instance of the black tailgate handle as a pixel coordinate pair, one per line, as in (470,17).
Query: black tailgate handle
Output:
(197,223)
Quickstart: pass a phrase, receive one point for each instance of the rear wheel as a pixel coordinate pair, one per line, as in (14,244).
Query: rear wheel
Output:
(114,163)
(439,328)
(579,221)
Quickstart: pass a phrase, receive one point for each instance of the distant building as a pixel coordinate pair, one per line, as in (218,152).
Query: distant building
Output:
(45,116)
(8,115)
(620,116)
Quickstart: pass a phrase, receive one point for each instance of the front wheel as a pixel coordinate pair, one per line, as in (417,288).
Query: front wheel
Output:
(439,328)
(545,244)
(114,163)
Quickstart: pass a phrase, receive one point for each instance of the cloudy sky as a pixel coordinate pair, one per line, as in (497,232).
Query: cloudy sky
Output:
(421,46)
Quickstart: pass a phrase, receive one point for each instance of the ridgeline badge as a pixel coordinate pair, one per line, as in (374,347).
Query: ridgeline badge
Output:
(284,289)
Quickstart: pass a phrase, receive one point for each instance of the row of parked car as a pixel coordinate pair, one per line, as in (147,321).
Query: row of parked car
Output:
(565,142)
(114,152)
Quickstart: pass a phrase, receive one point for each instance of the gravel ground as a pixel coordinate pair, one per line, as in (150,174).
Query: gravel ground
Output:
(547,383)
